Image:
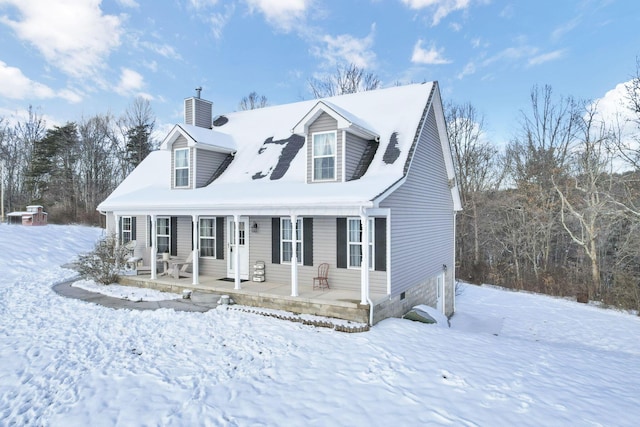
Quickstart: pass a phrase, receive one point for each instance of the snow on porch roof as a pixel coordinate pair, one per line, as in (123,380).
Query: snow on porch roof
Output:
(262,138)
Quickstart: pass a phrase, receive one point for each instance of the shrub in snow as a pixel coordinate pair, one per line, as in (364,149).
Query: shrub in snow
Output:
(103,263)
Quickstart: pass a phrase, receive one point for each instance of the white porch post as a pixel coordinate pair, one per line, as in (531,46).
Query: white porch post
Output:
(364,266)
(236,254)
(294,256)
(196,251)
(154,248)
(117,236)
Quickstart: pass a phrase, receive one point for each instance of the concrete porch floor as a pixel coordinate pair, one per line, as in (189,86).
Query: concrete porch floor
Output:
(338,303)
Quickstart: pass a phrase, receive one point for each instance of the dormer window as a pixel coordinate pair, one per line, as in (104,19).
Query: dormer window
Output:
(181,162)
(324,156)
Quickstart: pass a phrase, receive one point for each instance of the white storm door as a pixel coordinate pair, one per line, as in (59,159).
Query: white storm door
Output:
(243,247)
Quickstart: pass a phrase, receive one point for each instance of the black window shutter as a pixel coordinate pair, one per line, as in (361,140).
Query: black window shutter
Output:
(120,230)
(133,228)
(150,228)
(220,237)
(174,236)
(341,242)
(381,244)
(192,242)
(307,241)
(275,240)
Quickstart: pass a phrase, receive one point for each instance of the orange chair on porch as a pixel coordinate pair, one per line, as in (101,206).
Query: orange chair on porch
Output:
(322,280)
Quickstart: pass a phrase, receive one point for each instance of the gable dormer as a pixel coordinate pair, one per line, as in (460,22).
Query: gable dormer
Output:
(197,155)
(336,142)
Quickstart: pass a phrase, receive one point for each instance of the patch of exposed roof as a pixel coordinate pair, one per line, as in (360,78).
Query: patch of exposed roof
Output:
(220,121)
(392,152)
(293,144)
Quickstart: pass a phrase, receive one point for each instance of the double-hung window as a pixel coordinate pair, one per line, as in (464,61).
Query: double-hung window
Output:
(324,156)
(126,229)
(288,241)
(163,234)
(207,237)
(355,242)
(181,167)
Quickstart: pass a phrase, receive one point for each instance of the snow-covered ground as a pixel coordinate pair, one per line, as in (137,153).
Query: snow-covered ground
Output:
(508,359)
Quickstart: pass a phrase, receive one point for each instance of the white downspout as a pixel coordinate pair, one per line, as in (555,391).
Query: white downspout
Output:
(294,256)
(236,255)
(196,252)
(154,248)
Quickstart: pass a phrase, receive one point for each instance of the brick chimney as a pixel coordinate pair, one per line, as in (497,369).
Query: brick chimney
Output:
(198,111)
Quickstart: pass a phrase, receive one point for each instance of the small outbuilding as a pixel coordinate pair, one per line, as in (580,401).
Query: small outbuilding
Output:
(34,215)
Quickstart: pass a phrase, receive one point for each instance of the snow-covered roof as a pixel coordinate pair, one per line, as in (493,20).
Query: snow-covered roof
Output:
(201,138)
(259,138)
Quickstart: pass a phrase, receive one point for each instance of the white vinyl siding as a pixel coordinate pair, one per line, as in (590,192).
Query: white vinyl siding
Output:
(421,216)
(287,241)
(181,165)
(324,156)
(207,163)
(207,231)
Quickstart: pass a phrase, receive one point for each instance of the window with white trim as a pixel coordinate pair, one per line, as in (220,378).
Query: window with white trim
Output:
(163,234)
(324,156)
(181,167)
(126,230)
(207,237)
(354,243)
(287,240)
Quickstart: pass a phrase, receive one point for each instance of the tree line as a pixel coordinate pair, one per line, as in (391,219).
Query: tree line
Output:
(71,168)
(557,210)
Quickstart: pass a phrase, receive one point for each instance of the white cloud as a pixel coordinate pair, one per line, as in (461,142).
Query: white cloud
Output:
(430,56)
(161,49)
(565,28)
(441,8)
(219,20)
(282,14)
(546,57)
(130,82)
(74,37)
(133,4)
(15,85)
(614,107)
(201,4)
(511,54)
(346,48)
(468,69)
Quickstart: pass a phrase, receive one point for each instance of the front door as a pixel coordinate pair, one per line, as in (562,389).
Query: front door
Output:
(243,247)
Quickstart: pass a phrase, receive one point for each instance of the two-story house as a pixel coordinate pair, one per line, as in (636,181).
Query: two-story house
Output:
(363,182)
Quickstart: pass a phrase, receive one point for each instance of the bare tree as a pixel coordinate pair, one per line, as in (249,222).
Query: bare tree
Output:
(347,79)
(475,161)
(537,154)
(253,101)
(584,195)
(137,125)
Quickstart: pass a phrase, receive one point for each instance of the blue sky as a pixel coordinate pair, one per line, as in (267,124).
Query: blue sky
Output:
(74,58)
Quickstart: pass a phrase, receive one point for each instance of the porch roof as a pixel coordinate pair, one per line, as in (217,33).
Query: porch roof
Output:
(261,137)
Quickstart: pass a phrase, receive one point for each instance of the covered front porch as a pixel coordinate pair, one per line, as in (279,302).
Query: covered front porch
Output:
(338,303)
